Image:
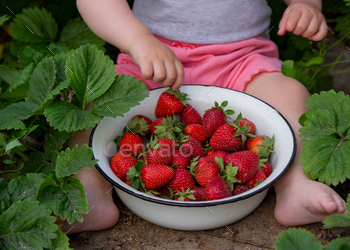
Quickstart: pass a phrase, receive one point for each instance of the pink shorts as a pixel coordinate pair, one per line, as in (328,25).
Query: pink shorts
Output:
(229,65)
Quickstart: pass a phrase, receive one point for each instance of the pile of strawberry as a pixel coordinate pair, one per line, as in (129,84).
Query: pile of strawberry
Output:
(196,159)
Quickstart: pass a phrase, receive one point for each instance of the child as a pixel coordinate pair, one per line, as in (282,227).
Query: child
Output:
(211,43)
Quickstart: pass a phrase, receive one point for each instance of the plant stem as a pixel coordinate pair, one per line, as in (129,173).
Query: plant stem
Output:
(337,42)
(20,153)
(8,171)
(335,63)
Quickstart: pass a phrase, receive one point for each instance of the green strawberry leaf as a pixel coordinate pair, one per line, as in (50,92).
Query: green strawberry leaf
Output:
(125,93)
(8,75)
(55,141)
(32,231)
(338,220)
(68,117)
(325,134)
(73,161)
(90,72)
(77,33)
(340,244)
(20,85)
(38,162)
(61,242)
(296,239)
(3,19)
(66,199)
(42,84)
(343,24)
(60,62)
(12,115)
(34,25)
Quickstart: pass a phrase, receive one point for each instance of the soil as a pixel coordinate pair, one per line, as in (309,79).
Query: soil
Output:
(256,231)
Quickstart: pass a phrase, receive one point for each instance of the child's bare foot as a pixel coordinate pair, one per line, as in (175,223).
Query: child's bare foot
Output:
(103,213)
(304,201)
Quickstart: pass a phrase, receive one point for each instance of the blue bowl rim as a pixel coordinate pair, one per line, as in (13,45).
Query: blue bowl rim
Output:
(199,203)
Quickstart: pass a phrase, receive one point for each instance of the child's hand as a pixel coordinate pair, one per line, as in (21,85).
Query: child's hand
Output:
(158,62)
(304,18)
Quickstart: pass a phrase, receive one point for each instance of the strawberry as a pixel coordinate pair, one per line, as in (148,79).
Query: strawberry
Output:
(266,169)
(261,144)
(155,123)
(190,115)
(219,153)
(193,146)
(121,162)
(169,128)
(168,144)
(245,122)
(182,180)
(224,139)
(140,124)
(196,131)
(240,188)
(182,159)
(257,179)
(217,188)
(205,173)
(199,193)
(156,175)
(131,143)
(247,162)
(158,156)
(215,117)
(170,102)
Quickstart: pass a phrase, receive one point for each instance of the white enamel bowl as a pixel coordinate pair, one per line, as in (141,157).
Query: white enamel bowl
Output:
(204,214)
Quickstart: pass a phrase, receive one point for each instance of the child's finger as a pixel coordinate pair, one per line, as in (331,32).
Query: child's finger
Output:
(180,75)
(146,70)
(303,23)
(282,25)
(170,71)
(294,16)
(159,72)
(312,29)
(322,32)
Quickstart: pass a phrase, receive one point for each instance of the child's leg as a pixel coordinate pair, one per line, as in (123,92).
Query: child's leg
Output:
(299,200)
(103,212)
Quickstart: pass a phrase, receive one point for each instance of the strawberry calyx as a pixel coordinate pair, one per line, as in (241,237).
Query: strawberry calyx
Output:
(170,128)
(222,108)
(181,196)
(228,173)
(138,126)
(242,131)
(183,97)
(267,147)
(134,174)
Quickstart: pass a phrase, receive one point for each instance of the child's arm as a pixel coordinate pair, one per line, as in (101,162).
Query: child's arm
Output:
(114,22)
(305,18)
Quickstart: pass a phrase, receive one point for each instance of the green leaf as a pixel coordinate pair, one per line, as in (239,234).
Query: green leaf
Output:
(68,117)
(297,239)
(340,244)
(60,62)
(125,93)
(57,49)
(314,60)
(20,85)
(11,145)
(7,74)
(298,71)
(34,25)
(77,33)
(12,115)
(56,141)
(326,150)
(3,19)
(90,72)
(66,199)
(32,231)
(20,134)
(5,198)
(338,220)
(71,162)
(37,162)
(61,242)
(343,25)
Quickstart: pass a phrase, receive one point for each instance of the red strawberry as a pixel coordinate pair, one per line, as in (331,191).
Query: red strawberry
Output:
(257,179)
(190,115)
(247,162)
(209,151)
(166,191)
(247,123)
(131,143)
(170,102)
(261,144)
(157,122)
(196,131)
(205,173)
(182,180)
(267,169)
(158,156)
(240,188)
(217,189)
(156,175)
(199,193)
(167,144)
(219,153)
(169,128)
(224,139)
(127,182)
(140,124)
(214,118)
(121,162)
(182,159)
(193,146)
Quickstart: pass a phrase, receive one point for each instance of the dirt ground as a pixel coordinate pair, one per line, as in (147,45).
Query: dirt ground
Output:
(256,231)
